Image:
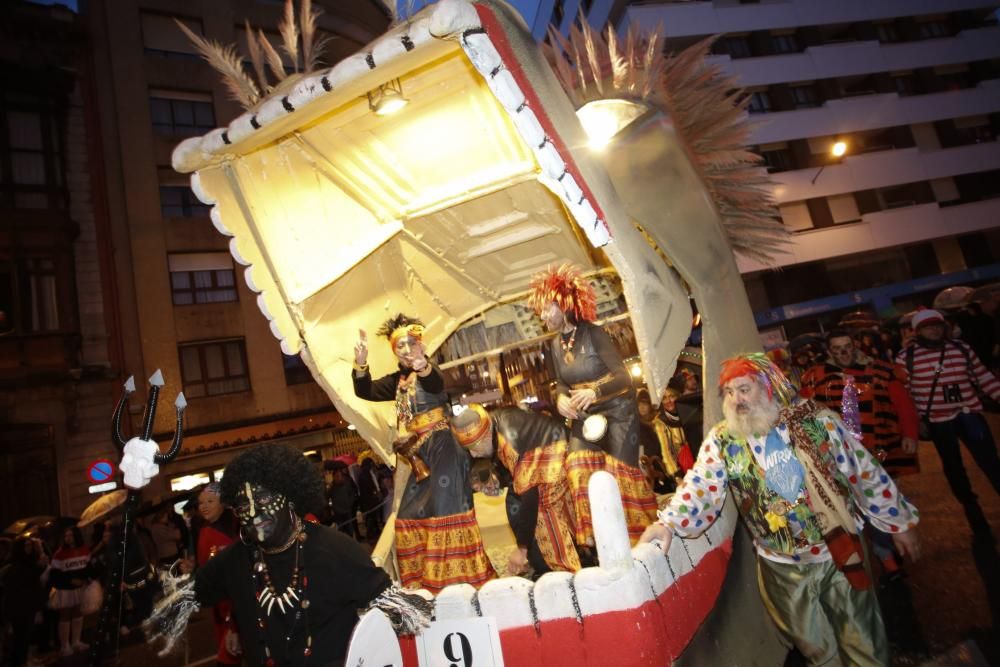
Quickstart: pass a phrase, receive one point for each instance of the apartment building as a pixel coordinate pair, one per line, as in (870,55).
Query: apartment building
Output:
(182,305)
(911,88)
(55,336)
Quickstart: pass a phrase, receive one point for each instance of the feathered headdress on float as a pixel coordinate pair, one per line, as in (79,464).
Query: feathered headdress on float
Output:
(568,288)
(706,106)
(298,41)
(762,369)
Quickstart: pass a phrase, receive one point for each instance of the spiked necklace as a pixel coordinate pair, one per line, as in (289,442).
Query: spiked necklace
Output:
(567,345)
(291,602)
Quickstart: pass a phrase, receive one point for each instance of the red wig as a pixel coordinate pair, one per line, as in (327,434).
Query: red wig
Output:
(568,288)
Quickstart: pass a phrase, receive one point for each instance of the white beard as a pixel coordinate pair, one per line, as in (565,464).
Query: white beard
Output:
(761,418)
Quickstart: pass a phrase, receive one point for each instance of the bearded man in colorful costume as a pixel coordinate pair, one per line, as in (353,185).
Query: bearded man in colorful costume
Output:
(591,380)
(437,538)
(295,587)
(802,483)
(530,450)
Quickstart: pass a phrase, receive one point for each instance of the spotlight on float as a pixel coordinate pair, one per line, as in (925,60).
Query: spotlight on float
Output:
(387,98)
(603,119)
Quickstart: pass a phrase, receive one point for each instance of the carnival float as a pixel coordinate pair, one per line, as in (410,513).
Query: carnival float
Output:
(507,158)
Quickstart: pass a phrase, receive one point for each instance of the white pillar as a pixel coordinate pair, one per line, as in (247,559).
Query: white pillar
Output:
(614,549)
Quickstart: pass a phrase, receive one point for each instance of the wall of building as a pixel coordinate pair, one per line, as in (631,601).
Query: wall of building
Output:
(912,88)
(151,90)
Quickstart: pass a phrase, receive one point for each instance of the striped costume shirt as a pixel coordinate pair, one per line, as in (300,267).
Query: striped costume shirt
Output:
(954,392)
(885,409)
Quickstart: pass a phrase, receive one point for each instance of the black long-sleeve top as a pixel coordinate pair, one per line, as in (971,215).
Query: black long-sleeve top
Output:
(384,388)
(341,580)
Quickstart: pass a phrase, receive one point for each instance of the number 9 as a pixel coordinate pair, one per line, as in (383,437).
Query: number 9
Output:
(449,650)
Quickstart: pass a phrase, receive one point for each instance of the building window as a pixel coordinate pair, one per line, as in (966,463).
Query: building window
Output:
(181,114)
(887,32)
(796,216)
(43,298)
(161,37)
(760,102)
(201,277)
(778,159)
(933,29)
(804,97)
(29,295)
(214,368)
(177,201)
(905,84)
(973,130)
(296,372)
(785,43)
(736,46)
(31,170)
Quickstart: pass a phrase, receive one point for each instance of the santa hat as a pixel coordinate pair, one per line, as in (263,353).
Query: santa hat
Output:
(926,316)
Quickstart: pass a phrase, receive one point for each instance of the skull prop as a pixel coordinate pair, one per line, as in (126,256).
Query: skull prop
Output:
(138,464)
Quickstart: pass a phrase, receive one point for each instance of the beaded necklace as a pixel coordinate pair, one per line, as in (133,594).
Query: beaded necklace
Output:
(567,345)
(293,598)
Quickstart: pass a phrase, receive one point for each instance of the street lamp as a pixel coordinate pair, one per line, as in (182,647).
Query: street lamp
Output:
(837,150)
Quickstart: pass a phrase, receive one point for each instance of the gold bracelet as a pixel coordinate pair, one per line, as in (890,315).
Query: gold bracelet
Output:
(360,368)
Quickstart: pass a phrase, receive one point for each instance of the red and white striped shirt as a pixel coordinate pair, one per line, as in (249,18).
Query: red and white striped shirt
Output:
(954,391)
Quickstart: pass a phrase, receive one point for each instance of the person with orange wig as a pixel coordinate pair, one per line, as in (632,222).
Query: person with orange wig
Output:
(591,381)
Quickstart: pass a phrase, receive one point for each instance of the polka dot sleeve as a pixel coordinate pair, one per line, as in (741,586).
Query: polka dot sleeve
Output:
(875,494)
(699,498)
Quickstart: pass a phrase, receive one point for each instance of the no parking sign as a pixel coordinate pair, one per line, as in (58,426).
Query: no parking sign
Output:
(100,471)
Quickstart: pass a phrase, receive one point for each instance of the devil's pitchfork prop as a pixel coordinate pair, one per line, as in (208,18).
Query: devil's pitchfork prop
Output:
(141,461)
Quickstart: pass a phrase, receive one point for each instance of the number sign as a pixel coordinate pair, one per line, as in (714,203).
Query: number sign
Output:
(467,642)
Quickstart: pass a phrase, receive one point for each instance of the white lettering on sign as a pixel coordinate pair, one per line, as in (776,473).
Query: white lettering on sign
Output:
(467,642)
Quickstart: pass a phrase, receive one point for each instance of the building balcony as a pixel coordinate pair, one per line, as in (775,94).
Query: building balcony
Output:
(708,18)
(885,229)
(859,58)
(38,357)
(884,169)
(854,114)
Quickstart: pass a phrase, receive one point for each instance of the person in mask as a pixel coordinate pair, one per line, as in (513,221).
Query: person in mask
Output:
(295,587)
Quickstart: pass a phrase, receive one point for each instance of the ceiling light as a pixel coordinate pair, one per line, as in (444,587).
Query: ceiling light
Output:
(387,98)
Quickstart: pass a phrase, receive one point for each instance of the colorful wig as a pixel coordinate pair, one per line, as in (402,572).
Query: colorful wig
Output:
(568,288)
(762,369)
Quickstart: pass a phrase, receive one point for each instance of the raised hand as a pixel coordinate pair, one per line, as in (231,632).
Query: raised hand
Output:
(361,348)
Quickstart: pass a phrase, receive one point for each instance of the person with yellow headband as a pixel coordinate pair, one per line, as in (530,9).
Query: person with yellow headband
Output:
(438,542)
(591,381)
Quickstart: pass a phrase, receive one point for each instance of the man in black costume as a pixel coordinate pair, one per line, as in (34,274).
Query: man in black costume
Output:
(295,587)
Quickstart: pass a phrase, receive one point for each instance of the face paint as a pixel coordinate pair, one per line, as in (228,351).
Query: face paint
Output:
(264,513)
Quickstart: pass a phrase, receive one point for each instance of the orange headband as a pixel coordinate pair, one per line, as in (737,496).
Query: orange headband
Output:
(414,330)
